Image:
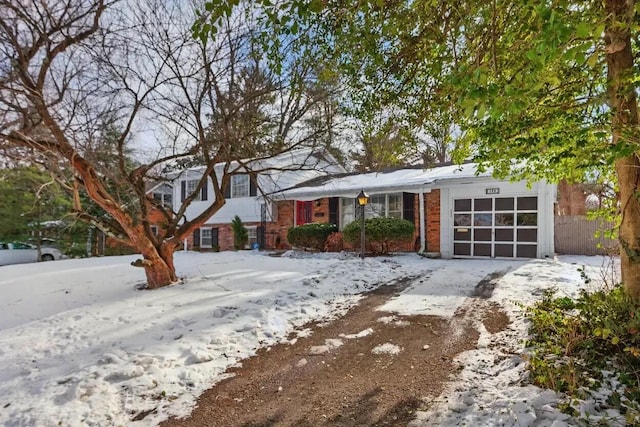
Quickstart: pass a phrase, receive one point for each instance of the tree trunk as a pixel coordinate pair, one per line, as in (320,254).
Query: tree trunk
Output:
(628,170)
(159,268)
(624,105)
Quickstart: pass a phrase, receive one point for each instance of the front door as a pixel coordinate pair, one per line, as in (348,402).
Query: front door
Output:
(303,212)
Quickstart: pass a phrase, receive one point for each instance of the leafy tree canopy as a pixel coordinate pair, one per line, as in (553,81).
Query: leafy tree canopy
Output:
(29,198)
(543,89)
(526,81)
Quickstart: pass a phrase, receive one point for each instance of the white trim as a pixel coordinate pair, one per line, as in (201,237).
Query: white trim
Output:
(254,229)
(232,186)
(211,238)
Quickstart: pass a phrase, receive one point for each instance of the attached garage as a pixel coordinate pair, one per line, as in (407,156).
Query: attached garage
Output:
(497,219)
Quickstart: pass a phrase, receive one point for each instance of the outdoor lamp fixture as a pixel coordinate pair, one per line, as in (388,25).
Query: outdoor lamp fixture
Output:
(363,199)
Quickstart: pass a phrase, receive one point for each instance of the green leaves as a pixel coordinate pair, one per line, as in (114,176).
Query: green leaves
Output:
(310,236)
(316,6)
(381,233)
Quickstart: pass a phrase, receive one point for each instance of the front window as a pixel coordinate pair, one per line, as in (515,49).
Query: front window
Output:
(167,201)
(376,207)
(252,233)
(380,205)
(206,238)
(164,199)
(347,211)
(240,186)
(394,206)
(192,184)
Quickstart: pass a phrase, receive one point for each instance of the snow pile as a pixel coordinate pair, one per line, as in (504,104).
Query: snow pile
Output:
(82,347)
(386,348)
(492,387)
(329,344)
(360,334)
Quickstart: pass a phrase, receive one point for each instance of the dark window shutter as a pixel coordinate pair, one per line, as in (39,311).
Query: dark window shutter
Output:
(205,190)
(196,237)
(334,202)
(183,190)
(214,237)
(253,187)
(260,237)
(408,200)
(227,190)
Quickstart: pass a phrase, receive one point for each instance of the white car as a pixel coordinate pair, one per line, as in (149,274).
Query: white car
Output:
(21,253)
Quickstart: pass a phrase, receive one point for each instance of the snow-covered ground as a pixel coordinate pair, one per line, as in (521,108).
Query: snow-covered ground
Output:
(81,346)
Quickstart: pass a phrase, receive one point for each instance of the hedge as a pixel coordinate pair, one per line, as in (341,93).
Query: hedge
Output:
(310,236)
(380,233)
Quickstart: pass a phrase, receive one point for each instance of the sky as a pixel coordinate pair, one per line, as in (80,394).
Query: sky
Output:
(82,346)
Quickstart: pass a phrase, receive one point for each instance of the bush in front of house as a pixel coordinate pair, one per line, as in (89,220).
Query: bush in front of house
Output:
(334,242)
(579,345)
(380,233)
(240,233)
(310,236)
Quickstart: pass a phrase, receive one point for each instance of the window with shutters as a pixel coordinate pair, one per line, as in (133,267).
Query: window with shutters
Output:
(206,237)
(239,186)
(189,188)
(192,184)
(380,205)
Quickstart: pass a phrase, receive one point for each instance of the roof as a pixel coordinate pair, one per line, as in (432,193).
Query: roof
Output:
(407,180)
(300,158)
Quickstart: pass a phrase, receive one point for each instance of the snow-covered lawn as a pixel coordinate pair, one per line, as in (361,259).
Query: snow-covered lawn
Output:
(80,345)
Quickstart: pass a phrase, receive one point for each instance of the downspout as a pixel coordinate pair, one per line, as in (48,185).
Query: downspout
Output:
(422,221)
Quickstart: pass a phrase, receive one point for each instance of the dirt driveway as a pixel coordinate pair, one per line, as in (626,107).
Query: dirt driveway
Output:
(367,368)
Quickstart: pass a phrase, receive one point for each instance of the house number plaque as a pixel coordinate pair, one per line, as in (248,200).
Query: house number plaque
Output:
(492,191)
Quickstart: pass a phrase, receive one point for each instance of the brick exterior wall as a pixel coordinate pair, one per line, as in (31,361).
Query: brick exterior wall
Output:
(320,211)
(276,232)
(320,214)
(225,237)
(432,210)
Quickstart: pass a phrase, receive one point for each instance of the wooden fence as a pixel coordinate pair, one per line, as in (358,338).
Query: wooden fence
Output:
(575,235)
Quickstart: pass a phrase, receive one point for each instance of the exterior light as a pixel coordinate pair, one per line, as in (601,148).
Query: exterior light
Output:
(363,199)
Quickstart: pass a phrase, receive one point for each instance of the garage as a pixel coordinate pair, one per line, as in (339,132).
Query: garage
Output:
(489,218)
(495,227)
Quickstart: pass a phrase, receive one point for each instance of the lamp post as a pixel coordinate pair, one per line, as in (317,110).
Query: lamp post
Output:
(363,199)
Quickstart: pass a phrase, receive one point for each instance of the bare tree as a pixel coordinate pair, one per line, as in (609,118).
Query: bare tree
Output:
(77,69)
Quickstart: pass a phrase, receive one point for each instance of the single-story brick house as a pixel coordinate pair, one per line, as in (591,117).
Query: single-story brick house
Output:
(457,211)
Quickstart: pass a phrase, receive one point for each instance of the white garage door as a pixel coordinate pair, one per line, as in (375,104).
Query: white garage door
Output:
(503,227)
